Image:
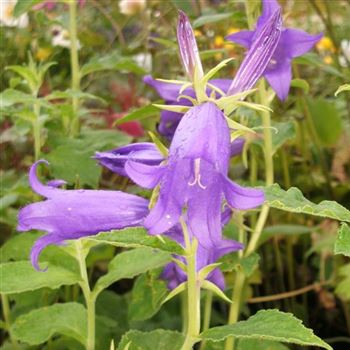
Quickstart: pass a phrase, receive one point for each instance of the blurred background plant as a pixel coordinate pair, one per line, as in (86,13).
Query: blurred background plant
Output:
(71,69)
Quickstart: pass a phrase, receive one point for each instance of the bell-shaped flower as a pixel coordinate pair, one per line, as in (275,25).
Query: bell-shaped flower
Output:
(195,177)
(292,43)
(143,152)
(72,214)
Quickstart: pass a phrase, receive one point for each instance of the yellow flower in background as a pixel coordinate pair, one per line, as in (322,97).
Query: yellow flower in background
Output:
(232,30)
(219,41)
(197,33)
(325,44)
(43,53)
(328,59)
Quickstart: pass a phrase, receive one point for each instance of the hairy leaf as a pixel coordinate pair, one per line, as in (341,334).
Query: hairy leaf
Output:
(342,244)
(271,325)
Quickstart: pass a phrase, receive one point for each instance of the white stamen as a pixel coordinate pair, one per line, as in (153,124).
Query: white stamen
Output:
(197,175)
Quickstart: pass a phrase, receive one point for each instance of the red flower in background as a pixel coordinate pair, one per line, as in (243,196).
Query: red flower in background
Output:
(126,98)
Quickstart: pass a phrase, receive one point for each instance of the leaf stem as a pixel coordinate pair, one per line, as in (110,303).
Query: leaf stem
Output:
(193,291)
(6,312)
(88,295)
(74,62)
(207,315)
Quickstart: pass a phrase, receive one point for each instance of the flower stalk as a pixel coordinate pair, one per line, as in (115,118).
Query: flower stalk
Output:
(90,297)
(74,61)
(6,313)
(193,291)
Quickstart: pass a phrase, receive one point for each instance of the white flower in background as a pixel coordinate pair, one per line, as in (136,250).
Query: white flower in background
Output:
(344,59)
(144,60)
(131,7)
(6,15)
(60,37)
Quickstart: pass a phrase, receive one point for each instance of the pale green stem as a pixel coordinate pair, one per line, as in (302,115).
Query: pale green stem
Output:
(253,243)
(193,291)
(37,129)
(6,312)
(207,315)
(88,295)
(74,62)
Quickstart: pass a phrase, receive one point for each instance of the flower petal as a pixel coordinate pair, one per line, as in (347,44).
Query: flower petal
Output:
(146,176)
(279,77)
(242,198)
(298,42)
(244,37)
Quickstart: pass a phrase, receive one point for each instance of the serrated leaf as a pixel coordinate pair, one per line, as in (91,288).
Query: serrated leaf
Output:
(139,114)
(147,296)
(20,276)
(69,93)
(130,264)
(294,201)
(271,325)
(212,18)
(39,325)
(342,244)
(136,237)
(157,339)
(232,262)
(341,88)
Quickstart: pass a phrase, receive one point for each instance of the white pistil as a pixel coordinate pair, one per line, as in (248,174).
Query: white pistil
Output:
(197,175)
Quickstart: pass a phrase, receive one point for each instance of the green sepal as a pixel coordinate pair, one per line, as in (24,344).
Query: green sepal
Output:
(215,289)
(179,289)
(205,271)
(162,149)
(238,127)
(173,108)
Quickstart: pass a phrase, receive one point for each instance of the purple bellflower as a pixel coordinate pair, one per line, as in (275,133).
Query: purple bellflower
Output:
(195,177)
(72,214)
(143,152)
(293,43)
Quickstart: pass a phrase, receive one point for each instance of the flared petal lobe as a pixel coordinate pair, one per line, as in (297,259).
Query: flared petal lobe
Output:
(145,153)
(71,214)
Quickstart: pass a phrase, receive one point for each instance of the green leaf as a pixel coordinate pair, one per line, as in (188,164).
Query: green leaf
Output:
(294,201)
(206,19)
(147,296)
(322,112)
(74,164)
(301,84)
(283,230)
(130,264)
(23,6)
(36,327)
(271,325)
(248,264)
(259,344)
(157,339)
(10,97)
(69,93)
(112,61)
(20,276)
(342,244)
(135,237)
(139,114)
(283,132)
(341,88)
(343,286)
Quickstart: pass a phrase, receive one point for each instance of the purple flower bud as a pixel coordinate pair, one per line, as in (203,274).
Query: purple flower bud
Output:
(188,47)
(145,153)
